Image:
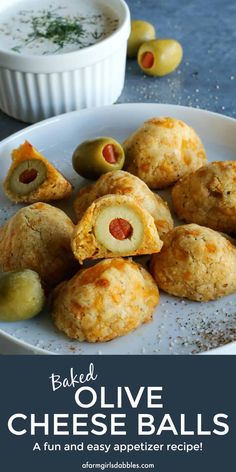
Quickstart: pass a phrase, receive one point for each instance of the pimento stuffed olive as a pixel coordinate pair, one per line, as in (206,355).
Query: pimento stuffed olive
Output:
(21,295)
(98,156)
(160,56)
(141,31)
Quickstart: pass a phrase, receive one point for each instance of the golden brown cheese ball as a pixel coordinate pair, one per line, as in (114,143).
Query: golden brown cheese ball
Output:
(208,196)
(196,263)
(124,183)
(38,237)
(113,226)
(162,150)
(32,178)
(105,301)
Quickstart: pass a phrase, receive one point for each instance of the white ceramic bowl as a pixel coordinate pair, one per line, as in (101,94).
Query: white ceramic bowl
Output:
(34,87)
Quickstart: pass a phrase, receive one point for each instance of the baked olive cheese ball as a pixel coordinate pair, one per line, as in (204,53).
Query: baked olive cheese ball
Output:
(99,304)
(97,156)
(124,183)
(141,31)
(21,295)
(160,56)
(208,196)
(32,178)
(162,150)
(196,263)
(115,225)
(38,237)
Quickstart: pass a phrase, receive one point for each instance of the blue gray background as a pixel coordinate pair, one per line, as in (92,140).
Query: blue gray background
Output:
(207,76)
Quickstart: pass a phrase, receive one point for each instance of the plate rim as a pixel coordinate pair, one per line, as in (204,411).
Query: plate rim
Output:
(54,119)
(58,118)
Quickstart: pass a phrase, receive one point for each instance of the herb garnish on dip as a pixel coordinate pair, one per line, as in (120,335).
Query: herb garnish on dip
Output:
(55,27)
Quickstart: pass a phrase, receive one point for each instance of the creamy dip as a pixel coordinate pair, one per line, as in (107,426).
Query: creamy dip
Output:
(56,26)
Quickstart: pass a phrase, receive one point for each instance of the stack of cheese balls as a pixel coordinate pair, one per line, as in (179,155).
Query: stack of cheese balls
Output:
(196,261)
(118,216)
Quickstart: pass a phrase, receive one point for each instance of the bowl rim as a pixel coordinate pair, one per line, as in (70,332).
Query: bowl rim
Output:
(76,59)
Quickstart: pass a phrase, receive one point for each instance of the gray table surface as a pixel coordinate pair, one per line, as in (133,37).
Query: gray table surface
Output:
(206,77)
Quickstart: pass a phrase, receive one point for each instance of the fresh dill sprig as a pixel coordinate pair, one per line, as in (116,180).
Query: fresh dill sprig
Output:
(61,30)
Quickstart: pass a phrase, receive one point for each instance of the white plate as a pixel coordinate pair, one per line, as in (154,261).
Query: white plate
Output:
(179,326)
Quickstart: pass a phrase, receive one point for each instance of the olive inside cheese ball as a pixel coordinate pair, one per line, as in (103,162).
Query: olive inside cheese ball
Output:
(27,176)
(21,295)
(105,301)
(196,263)
(115,225)
(162,150)
(160,56)
(141,31)
(97,156)
(208,196)
(38,237)
(124,183)
(32,178)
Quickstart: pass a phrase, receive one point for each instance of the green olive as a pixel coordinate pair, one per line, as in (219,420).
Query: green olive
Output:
(27,176)
(98,156)
(141,31)
(21,295)
(160,56)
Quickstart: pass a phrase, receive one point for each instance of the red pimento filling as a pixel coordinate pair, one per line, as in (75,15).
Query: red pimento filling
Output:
(28,176)
(120,229)
(147,60)
(110,154)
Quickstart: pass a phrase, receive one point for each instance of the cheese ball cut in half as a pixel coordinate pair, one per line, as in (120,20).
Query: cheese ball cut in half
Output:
(115,225)
(208,196)
(162,150)
(32,178)
(196,263)
(38,237)
(124,183)
(105,301)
